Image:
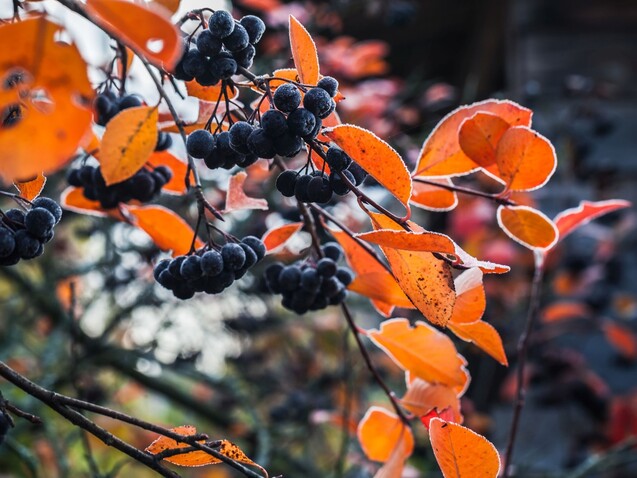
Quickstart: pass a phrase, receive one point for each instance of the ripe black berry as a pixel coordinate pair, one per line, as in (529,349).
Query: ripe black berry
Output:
(287,98)
(194,62)
(319,102)
(160,267)
(237,40)
(129,101)
(301,188)
(14,217)
(274,123)
(222,66)
(254,26)
(39,222)
(7,242)
(272,277)
(233,256)
(245,57)
(319,190)
(344,275)
(301,122)
(326,267)
(50,205)
(288,145)
(310,280)
(27,246)
(73,177)
(251,256)
(338,185)
(221,24)
(256,245)
(261,144)
(208,44)
(289,278)
(239,133)
(191,268)
(337,159)
(286,182)
(333,251)
(211,263)
(329,84)
(357,172)
(200,143)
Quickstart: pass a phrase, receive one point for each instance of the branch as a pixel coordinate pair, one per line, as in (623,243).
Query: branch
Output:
(468,191)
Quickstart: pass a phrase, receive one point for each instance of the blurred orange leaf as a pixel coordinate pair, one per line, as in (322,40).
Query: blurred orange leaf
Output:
(148,29)
(432,198)
(167,229)
(171,5)
(526,160)
(441,154)
(32,188)
(304,53)
(236,198)
(176,185)
(376,157)
(44,108)
(479,136)
(380,432)
(570,219)
(212,93)
(527,226)
(564,310)
(410,241)
(461,452)
(422,397)
(73,199)
(621,338)
(422,350)
(425,279)
(128,142)
(276,237)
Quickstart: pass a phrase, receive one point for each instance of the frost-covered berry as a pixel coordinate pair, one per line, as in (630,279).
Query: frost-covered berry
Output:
(191,268)
(211,263)
(223,66)
(194,62)
(288,145)
(326,267)
(329,84)
(233,256)
(7,242)
(285,182)
(256,245)
(287,98)
(261,144)
(289,278)
(254,26)
(221,24)
(208,44)
(39,222)
(337,159)
(237,40)
(332,250)
(239,133)
(274,123)
(319,102)
(200,143)
(50,205)
(301,122)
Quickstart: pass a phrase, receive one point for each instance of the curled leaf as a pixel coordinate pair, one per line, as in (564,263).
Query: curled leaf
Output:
(479,137)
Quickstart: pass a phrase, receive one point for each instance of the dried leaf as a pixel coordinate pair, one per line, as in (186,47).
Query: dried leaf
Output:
(527,226)
(569,220)
(128,142)
(380,432)
(236,198)
(304,53)
(148,29)
(32,188)
(564,310)
(278,236)
(461,452)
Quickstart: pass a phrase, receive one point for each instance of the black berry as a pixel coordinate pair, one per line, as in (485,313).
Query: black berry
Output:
(287,98)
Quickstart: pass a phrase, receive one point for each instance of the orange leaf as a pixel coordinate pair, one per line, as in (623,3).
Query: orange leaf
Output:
(424,278)
(376,157)
(461,452)
(432,198)
(236,198)
(209,93)
(380,432)
(528,226)
(422,350)
(479,136)
(304,53)
(526,160)
(45,110)
(423,397)
(167,230)
(32,188)
(470,298)
(564,310)
(569,220)
(148,30)
(467,260)
(410,241)
(483,335)
(622,338)
(441,154)
(73,199)
(275,238)
(171,5)
(128,142)
(176,185)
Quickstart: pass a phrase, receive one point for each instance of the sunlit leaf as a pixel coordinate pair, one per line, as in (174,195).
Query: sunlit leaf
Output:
(128,142)
(376,157)
(147,28)
(44,108)
(276,237)
(621,338)
(479,136)
(422,350)
(32,188)
(483,335)
(470,297)
(422,397)
(527,226)
(570,219)
(236,198)
(441,154)
(461,452)
(526,160)
(432,198)
(380,432)
(304,53)
(167,229)
(410,241)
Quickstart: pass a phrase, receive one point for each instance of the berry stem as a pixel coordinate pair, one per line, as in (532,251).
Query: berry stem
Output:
(468,191)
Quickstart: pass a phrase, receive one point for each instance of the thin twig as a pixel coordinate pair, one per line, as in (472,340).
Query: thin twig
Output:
(468,191)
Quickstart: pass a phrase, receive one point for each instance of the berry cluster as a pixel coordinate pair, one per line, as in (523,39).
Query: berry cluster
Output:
(143,186)
(23,235)
(319,187)
(218,151)
(221,49)
(311,285)
(209,271)
(108,105)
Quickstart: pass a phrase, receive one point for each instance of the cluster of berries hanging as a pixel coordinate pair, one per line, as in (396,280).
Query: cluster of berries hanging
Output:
(108,104)
(23,235)
(221,49)
(311,284)
(208,270)
(143,186)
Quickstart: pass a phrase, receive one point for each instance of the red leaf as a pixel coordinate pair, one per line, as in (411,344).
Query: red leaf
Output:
(622,339)
(569,220)
(275,238)
(236,198)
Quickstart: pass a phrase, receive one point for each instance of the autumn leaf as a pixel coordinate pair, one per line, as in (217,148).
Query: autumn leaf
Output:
(170,5)
(32,188)
(176,185)
(569,220)
(376,157)
(423,397)
(236,198)
(167,230)
(212,93)
(484,336)
(411,241)
(380,432)
(72,199)
(45,111)
(461,452)
(470,297)
(433,198)
(304,53)
(564,310)
(422,350)
(148,29)
(526,160)
(527,226)
(441,154)
(128,142)
(621,338)
(276,237)
(479,136)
